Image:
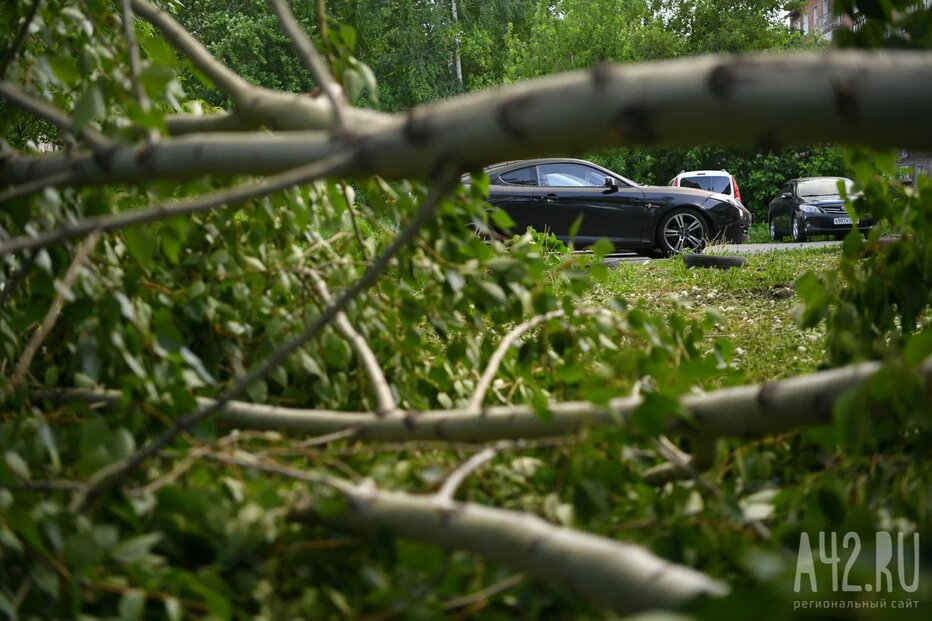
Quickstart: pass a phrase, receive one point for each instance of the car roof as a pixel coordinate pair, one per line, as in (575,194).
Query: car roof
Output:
(536,162)
(496,169)
(704,172)
(815,179)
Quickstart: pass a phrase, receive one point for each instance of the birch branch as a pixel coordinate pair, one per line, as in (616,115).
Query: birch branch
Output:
(256,105)
(313,62)
(742,412)
(367,359)
(226,198)
(620,576)
(838,97)
(16,97)
(129,34)
(224,78)
(110,475)
(456,478)
(495,361)
(51,316)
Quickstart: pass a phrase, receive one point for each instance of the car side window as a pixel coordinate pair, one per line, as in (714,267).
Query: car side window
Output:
(520,176)
(570,175)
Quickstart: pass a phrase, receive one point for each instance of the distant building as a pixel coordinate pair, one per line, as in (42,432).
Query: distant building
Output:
(814,17)
(914,163)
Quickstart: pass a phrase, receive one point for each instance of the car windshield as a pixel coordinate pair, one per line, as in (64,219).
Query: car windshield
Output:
(823,187)
(709,183)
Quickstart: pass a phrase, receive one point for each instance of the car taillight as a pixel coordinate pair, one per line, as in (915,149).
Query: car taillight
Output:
(737,191)
(676,182)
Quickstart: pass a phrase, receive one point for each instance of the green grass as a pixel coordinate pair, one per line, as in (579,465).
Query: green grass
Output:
(755,303)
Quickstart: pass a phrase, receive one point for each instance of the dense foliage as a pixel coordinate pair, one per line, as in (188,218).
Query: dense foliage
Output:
(169,311)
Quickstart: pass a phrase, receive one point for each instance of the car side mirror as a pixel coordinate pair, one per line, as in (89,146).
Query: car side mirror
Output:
(611,184)
(786,195)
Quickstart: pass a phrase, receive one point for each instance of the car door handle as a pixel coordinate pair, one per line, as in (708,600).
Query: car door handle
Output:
(548,198)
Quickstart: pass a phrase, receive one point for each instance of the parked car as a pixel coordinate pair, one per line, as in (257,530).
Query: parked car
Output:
(812,206)
(716,181)
(551,194)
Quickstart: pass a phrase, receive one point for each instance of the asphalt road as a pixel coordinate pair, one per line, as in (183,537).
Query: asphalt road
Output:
(630,257)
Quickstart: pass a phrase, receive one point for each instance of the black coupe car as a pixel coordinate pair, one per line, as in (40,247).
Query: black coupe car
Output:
(551,194)
(812,206)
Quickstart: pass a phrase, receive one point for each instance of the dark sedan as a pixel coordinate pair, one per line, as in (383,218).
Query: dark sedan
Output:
(812,206)
(552,194)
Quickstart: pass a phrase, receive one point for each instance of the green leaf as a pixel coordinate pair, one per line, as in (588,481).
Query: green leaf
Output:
(602,247)
(258,391)
(132,605)
(17,465)
(141,245)
(64,68)
(574,227)
(89,106)
(502,220)
(136,550)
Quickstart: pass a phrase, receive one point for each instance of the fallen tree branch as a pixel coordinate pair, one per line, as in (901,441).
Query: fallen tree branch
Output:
(484,594)
(56,179)
(51,316)
(839,97)
(743,412)
(126,15)
(456,478)
(686,467)
(313,62)
(112,474)
(224,78)
(260,106)
(495,361)
(619,576)
(16,97)
(215,200)
(360,346)
(681,465)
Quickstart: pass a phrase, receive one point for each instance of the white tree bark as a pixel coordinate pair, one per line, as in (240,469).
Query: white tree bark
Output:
(763,100)
(743,412)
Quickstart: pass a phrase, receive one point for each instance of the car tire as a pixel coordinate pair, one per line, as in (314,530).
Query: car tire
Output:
(774,236)
(682,229)
(799,235)
(710,260)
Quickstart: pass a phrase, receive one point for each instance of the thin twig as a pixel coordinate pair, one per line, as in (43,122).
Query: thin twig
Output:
(280,470)
(134,64)
(313,62)
(111,475)
(58,303)
(383,392)
(673,454)
(488,592)
(456,478)
(225,198)
(12,50)
(16,97)
(347,195)
(324,28)
(60,177)
(222,76)
(475,402)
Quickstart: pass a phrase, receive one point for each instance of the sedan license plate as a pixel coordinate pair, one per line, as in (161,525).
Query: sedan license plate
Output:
(842,220)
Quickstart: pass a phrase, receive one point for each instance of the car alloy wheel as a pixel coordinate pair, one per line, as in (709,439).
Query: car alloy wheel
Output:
(798,234)
(773,231)
(683,230)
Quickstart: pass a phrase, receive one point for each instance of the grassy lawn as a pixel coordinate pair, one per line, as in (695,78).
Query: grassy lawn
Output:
(755,303)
